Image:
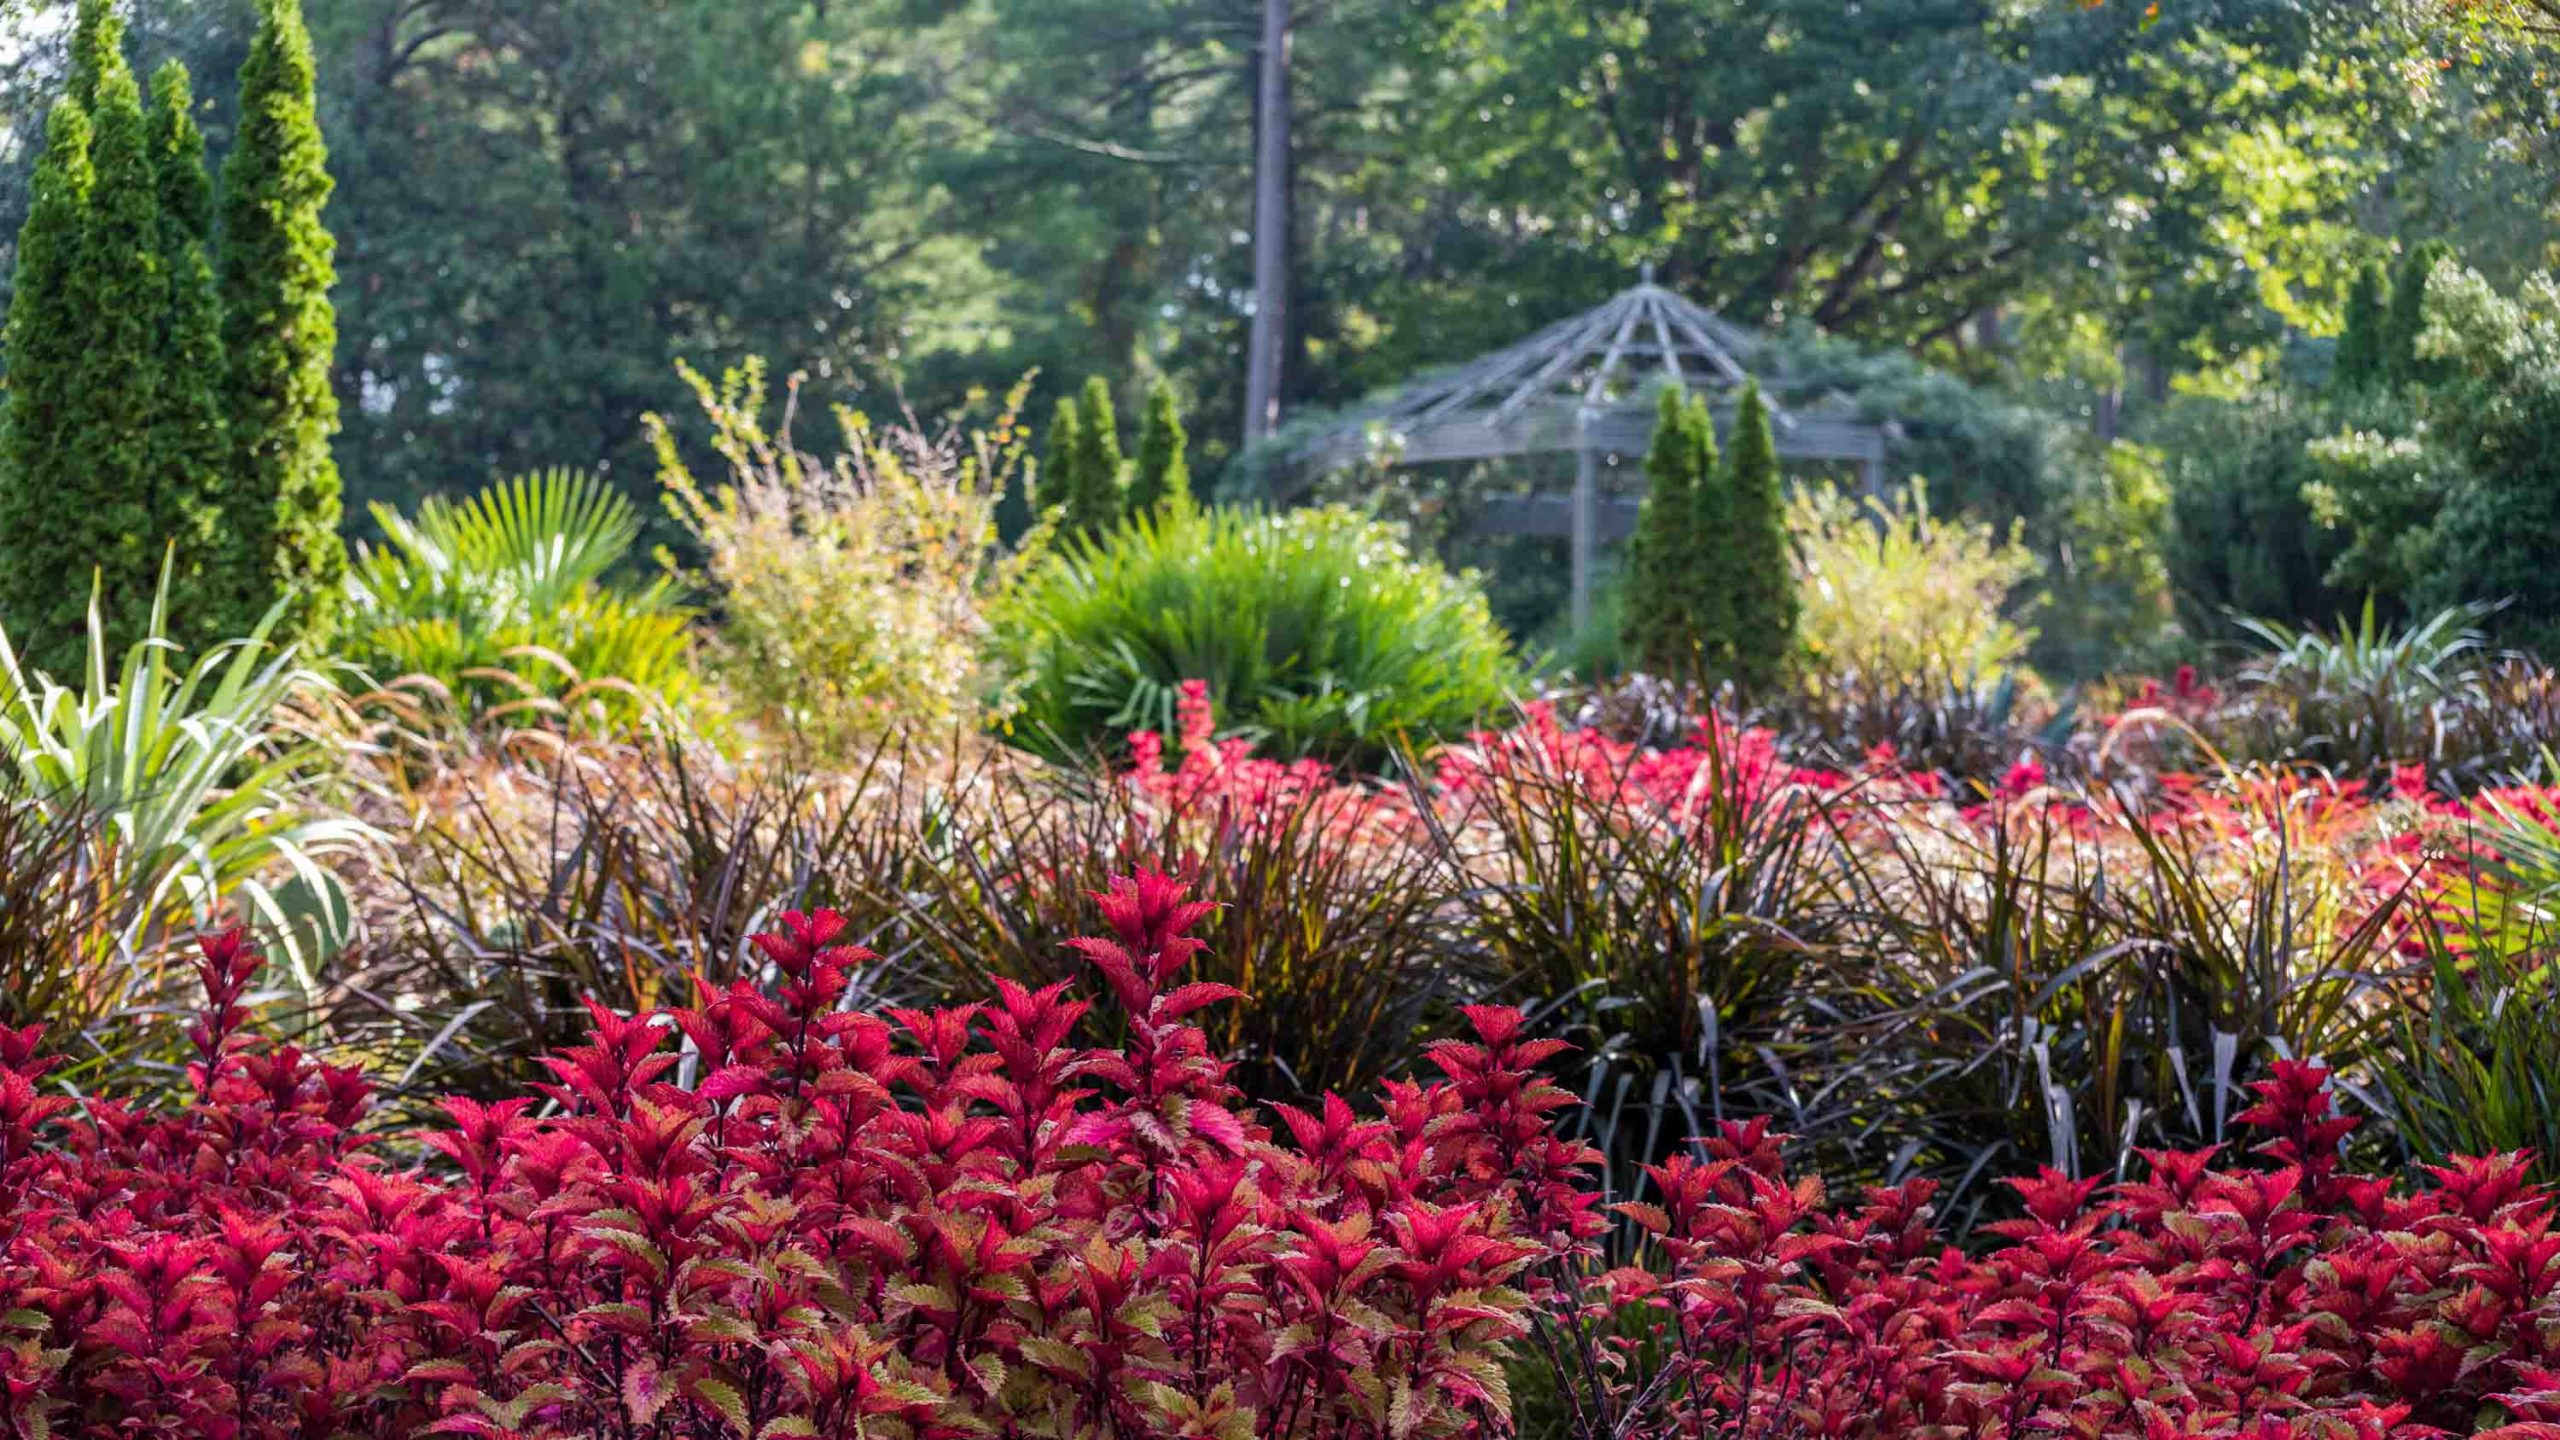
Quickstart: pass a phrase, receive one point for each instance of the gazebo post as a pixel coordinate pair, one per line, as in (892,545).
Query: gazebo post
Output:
(1586,518)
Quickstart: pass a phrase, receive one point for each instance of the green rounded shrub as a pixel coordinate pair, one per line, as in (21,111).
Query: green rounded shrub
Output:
(1318,631)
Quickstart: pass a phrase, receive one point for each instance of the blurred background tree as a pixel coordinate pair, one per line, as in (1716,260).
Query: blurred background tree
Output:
(2085,213)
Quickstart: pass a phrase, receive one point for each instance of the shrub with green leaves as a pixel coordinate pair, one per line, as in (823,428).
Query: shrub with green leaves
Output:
(1318,631)
(1892,593)
(2362,695)
(505,602)
(2244,536)
(852,588)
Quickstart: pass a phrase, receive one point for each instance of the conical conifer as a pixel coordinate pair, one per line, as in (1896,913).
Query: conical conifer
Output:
(1057,478)
(1763,564)
(1163,475)
(2360,361)
(281,506)
(43,532)
(188,442)
(122,295)
(1709,563)
(2408,314)
(1096,497)
(96,32)
(1658,628)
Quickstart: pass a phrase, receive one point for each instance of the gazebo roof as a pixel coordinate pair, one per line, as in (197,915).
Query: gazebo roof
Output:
(1585,384)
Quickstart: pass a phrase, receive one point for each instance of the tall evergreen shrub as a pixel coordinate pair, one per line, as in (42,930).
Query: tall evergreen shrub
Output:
(1163,476)
(188,444)
(42,535)
(121,503)
(1710,561)
(2407,315)
(2361,360)
(1095,494)
(1057,468)
(1658,624)
(280,511)
(1761,569)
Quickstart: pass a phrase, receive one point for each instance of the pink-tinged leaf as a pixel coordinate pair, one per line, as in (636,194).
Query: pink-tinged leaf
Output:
(646,1390)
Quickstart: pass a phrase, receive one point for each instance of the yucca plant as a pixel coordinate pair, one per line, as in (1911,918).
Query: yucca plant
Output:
(2360,696)
(506,601)
(198,781)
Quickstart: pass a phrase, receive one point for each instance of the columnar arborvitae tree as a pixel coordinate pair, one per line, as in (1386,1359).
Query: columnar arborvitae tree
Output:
(188,441)
(1658,627)
(118,286)
(280,508)
(1164,472)
(43,568)
(1057,477)
(2360,361)
(1763,583)
(1711,557)
(96,33)
(1096,496)
(2408,314)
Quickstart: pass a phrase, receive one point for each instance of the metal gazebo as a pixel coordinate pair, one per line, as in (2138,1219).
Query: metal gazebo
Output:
(1584,386)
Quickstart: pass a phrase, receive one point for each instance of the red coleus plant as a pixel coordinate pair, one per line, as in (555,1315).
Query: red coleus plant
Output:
(765,1215)
(2284,1298)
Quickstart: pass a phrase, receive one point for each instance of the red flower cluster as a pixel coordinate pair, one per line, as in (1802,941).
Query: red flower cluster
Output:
(764,1215)
(1724,760)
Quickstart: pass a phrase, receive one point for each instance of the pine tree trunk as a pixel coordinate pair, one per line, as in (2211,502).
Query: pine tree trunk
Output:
(1270,228)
